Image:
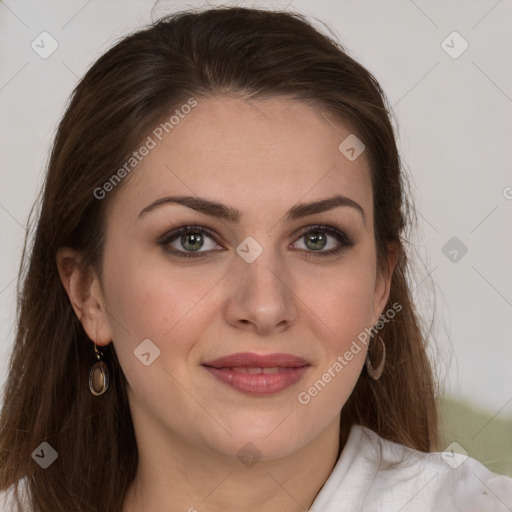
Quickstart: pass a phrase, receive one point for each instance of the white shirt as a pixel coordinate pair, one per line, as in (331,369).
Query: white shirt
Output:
(416,481)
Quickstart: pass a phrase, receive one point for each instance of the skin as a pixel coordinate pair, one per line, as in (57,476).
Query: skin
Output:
(261,157)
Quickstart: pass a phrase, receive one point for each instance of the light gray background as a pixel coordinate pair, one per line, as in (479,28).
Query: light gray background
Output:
(455,126)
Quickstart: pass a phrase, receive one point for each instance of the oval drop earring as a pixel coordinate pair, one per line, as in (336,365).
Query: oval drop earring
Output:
(375,373)
(98,375)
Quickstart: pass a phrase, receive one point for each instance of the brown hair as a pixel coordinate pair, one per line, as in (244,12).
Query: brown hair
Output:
(222,51)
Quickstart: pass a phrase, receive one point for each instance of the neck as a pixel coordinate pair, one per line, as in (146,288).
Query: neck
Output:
(178,477)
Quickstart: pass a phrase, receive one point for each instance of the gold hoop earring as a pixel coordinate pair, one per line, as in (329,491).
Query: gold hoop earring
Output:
(375,373)
(98,375)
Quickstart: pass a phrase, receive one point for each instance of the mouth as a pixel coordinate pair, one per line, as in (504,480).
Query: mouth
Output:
(258,374)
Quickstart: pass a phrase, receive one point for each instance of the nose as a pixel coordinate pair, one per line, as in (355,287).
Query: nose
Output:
(261,297)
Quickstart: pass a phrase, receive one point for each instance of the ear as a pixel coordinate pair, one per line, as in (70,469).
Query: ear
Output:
(85,294)
(383,281)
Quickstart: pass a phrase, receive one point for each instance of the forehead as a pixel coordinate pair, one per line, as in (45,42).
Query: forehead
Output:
(248,154)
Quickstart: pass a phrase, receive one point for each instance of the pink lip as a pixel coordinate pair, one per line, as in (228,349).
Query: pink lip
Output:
(290,370)
(250,360)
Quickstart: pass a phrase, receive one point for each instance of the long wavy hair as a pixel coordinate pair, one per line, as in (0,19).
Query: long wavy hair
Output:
(251,53)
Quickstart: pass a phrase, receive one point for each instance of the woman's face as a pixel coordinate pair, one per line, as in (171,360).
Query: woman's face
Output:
(260,280)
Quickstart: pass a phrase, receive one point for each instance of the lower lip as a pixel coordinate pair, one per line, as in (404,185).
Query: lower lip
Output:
(259,383)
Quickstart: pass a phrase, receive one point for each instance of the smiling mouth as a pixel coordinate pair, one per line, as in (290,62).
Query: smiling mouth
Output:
(258,375)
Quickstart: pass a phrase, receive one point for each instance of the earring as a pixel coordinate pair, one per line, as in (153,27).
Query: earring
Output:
(375,373)
(98,375)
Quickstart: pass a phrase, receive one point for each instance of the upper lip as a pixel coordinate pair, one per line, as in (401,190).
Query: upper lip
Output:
(250,360)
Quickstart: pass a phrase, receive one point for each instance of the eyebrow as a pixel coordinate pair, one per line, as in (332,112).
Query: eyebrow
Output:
(221,211)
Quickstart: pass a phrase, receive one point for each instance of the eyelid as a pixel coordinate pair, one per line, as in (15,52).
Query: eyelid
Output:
(343,238)
(341,235)
(167,236)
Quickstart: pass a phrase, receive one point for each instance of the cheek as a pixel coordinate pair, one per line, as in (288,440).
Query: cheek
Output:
(343,307)
(343,297)
(149,298)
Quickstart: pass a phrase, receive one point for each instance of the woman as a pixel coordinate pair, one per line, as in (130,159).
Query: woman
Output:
(215,313)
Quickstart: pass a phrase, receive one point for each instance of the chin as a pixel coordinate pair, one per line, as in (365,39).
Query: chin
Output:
(253,442)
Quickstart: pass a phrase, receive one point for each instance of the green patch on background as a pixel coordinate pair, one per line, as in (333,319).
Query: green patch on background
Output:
(487,437)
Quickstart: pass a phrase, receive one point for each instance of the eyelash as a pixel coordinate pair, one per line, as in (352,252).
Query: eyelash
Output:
(164,241)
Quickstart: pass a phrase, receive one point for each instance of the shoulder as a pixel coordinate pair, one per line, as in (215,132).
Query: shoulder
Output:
(373,473)
(8,501)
